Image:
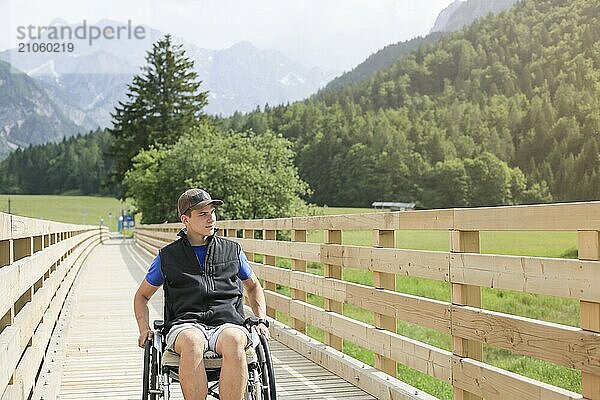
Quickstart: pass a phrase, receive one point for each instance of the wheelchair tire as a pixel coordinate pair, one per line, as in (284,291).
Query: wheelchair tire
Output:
(270,370)
(154,373)
(146,376)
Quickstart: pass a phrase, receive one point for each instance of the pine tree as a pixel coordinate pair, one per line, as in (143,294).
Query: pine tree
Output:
(164,102)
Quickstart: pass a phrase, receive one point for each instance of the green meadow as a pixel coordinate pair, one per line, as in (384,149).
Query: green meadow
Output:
(89,210)
(70,209)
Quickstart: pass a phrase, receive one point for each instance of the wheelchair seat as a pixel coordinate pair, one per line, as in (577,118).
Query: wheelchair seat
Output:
(212,360)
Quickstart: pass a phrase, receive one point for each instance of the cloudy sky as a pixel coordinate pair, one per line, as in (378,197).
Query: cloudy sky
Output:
(331,34)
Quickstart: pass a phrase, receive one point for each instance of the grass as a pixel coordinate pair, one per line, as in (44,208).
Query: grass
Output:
(70,209)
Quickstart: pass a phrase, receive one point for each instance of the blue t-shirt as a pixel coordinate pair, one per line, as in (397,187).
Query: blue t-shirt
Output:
(155,276)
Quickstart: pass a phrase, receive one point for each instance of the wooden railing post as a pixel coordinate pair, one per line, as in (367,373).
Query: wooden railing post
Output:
(384,280)
(270,260)
(231,232)
(466,295)
(249,234)
(333,271)
(298,265)
(589,249)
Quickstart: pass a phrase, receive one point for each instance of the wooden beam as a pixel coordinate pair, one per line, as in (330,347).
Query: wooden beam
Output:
(541,217)
(423,219)
(248,234)
(560,344)
(383,280)
(465,242)
(298,265)
(569,278)
(493,383)
(270,260)
(589,249)
(333,236)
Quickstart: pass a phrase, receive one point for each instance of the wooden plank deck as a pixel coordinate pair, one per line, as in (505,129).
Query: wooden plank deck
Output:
(101,358)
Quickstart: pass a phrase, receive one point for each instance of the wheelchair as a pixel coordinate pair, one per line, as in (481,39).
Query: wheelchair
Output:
(161,367)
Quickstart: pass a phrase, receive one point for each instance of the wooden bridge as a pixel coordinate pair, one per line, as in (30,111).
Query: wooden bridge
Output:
(67,329)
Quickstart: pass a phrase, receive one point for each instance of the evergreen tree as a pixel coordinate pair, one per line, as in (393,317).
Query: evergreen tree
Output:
(164,102)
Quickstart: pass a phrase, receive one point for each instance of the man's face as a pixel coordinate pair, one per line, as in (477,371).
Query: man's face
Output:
(202,221)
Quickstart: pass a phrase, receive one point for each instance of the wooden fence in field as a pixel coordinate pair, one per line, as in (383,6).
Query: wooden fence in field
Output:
(38,263)
(463,267)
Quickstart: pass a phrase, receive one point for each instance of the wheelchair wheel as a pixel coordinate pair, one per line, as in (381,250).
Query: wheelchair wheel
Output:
(269,370)
(150,376)
(154,373)
(146,376)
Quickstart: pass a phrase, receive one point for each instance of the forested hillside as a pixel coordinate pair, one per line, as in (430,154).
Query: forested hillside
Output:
(75,165)
(381,59)
(511,94)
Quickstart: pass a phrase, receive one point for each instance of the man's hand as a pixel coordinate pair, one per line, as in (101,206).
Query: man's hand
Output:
(145,334)
(263,330)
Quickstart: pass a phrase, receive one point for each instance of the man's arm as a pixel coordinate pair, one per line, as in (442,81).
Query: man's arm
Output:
(140,307)
(256,297)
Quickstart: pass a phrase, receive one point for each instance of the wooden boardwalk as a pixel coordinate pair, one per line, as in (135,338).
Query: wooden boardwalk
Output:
(101,358)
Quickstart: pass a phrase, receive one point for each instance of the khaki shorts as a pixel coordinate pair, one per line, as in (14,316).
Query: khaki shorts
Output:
(210,333)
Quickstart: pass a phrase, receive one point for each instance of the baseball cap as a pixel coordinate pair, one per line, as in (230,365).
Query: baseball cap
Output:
(193,199)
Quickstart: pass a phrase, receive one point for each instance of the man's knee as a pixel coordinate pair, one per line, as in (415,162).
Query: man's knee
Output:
(190,341)
(232,343)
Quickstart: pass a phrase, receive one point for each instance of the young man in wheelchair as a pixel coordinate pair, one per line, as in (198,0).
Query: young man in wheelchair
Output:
(203,277)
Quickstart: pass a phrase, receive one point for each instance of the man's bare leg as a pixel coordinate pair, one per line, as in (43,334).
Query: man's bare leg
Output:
(234,371)
(190,345)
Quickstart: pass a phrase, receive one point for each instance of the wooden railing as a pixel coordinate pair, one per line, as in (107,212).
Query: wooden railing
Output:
(38,263)
(466,271)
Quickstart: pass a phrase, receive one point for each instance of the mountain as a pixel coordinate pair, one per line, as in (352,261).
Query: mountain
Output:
(458,14)
(27,113)
(445,15)
(87,83)
(243,77)
(461,13)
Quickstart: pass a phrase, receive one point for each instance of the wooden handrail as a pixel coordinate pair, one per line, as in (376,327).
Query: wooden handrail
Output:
(463,269)
(38,263)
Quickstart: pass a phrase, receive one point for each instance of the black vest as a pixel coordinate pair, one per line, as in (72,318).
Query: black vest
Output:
(212,295)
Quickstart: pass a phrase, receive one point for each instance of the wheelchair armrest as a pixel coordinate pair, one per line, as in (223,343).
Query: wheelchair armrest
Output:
(254,321)
(158,324)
